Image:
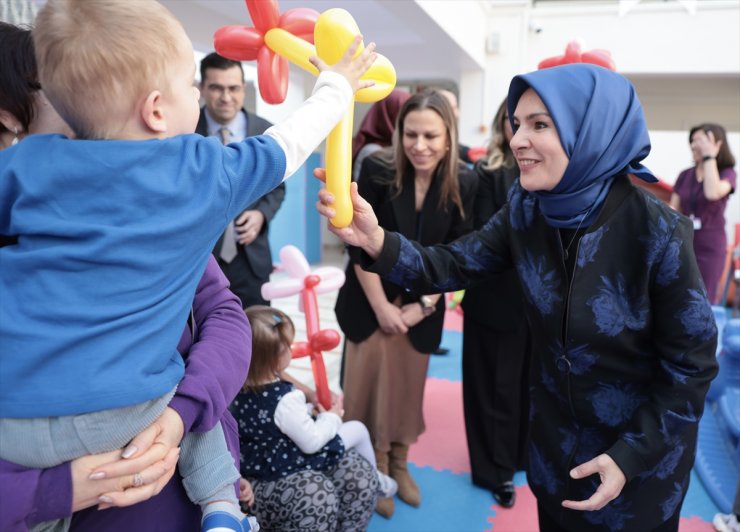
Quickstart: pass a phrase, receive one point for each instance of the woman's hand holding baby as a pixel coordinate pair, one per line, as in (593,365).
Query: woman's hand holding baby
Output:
(138,472)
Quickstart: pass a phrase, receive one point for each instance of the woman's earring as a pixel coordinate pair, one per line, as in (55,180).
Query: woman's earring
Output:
(15,139)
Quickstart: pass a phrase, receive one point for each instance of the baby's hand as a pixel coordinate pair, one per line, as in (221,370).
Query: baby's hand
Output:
(352,69)
(337,405)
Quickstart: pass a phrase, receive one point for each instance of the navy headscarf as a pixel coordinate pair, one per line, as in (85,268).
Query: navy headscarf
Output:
(602,129)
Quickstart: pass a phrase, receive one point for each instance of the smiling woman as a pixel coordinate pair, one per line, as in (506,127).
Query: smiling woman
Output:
(419,188)
(626,337)
(536,145)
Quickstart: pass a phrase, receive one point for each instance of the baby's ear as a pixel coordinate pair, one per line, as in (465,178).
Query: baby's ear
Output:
(152,113)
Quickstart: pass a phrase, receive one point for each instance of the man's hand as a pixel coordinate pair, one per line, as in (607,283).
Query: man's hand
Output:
(248,226)
(612,482)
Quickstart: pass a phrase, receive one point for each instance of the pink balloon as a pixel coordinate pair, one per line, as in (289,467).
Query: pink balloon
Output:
(294,262)
(282,288)
(301,280)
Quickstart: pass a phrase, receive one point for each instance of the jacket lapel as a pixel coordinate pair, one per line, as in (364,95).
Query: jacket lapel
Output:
(404,208)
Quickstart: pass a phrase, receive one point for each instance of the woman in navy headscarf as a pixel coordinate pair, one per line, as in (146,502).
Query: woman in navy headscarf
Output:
(624,334)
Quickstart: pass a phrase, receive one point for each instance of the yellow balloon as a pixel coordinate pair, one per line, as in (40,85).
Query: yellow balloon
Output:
(339,168)
(292,48)
(384,76)
(334,31)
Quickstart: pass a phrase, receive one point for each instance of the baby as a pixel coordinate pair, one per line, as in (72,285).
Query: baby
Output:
(277,435)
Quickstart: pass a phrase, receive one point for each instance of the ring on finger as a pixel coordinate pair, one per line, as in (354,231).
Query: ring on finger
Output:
(138,480)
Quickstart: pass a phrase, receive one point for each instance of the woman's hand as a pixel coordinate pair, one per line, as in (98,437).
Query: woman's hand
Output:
(246,494)
(145,460)
(364,231)
(612,482)
(706,143)
(412,314)
(390,319)
(89,489)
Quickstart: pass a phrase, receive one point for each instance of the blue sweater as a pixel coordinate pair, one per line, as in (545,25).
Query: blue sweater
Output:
(113,237)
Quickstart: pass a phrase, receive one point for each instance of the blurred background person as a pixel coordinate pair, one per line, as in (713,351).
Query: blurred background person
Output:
(376,129)
(243,252)
(701,193)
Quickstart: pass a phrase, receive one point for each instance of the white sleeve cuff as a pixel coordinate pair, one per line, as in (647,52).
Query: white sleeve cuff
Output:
(301,133)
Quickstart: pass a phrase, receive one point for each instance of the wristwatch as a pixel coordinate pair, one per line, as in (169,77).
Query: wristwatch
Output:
(427,305)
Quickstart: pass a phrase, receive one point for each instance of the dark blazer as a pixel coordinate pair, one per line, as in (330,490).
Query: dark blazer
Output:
(258,254)
(398,213)
(496,302)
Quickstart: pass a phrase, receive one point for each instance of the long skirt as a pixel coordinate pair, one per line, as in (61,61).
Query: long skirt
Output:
(384,378)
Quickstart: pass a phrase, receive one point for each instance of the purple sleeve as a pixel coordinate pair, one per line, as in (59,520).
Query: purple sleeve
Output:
(217,363)
(31,496)
(729,175)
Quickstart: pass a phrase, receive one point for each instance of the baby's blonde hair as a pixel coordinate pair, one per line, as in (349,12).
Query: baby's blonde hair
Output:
(98,59)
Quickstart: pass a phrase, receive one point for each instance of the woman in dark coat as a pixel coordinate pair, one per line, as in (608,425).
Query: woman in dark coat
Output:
(496,344)
(626,336)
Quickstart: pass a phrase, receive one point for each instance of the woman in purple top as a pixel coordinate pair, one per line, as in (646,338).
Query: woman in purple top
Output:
(215,366)
(701,193)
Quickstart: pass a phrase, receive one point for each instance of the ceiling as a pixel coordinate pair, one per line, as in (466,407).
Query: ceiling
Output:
(416,45)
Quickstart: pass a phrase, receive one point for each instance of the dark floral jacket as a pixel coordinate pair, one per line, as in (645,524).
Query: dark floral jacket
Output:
(625,349)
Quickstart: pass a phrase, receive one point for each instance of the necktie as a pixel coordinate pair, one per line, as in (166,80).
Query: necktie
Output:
(228,242)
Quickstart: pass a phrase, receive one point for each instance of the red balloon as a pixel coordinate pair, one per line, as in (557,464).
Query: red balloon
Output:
(573,54)
(272,76)
(300,22)
(300,349)
(242,43)
(264,13)
(325,340)
(238,43)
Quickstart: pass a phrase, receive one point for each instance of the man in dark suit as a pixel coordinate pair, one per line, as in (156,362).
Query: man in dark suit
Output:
(243,252)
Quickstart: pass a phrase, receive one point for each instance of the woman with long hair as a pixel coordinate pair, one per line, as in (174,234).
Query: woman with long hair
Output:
(419,188)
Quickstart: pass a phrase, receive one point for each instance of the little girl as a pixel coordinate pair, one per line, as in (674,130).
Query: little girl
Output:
(277,434)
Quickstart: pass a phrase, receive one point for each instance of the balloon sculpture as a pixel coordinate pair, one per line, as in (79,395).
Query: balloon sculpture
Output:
(573,54)
(308,284)
(276,39)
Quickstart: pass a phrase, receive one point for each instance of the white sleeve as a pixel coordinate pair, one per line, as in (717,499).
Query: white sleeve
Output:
(302,132)
(294,421)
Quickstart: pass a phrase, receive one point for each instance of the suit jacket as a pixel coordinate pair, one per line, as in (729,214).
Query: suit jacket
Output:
(259,256)
(398,213)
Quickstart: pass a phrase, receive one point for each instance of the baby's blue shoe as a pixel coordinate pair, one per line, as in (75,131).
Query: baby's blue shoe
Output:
(226,522)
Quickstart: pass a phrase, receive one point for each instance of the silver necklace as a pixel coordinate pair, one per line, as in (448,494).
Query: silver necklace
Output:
(567,248)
